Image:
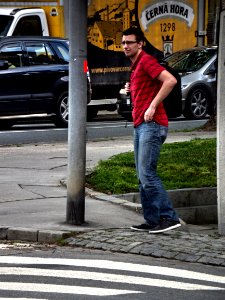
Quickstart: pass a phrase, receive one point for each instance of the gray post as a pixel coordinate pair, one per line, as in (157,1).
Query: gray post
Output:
(221,127)
(77,112)
(65,4)
(201,22)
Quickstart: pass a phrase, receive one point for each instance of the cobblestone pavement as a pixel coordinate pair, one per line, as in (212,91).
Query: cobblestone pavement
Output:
(175,244)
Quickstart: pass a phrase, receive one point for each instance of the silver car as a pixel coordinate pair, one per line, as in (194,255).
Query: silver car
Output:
(197,68)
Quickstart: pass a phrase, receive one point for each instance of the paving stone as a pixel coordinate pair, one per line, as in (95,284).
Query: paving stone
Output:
(80,242)
(129,247)
(189,247)
(204,260)
(216,261)
(116,248)
(136,250)
(169,254)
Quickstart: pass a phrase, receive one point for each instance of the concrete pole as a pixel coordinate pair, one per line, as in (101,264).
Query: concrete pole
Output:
(201,22)
(221,128)
(77,112)
(65,4)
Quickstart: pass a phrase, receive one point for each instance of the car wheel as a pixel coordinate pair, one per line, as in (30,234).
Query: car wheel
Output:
(197,104)
(62,113)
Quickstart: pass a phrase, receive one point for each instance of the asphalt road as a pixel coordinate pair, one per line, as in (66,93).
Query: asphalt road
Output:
(105,126)
(52,272)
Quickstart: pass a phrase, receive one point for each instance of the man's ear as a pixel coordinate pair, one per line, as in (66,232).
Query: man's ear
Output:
(141,44)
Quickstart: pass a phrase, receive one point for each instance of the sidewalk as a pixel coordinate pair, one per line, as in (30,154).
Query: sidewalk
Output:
(33,206)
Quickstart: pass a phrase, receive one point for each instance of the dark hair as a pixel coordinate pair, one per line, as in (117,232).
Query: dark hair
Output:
(137,32)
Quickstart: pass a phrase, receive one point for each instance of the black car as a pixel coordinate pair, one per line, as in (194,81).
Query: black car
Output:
(34,78)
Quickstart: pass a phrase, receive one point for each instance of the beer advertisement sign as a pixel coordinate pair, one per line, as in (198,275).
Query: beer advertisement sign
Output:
(169,25)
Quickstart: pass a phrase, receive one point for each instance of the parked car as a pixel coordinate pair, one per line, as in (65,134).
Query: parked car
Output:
(34,78)
(198,68)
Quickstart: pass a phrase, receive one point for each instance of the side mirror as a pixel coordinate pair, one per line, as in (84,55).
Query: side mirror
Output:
(4,65)
(211,70)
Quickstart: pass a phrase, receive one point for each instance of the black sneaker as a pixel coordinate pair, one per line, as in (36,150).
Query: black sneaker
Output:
(142,227)
(165,225)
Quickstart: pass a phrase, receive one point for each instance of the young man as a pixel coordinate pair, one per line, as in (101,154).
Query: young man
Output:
(149,85)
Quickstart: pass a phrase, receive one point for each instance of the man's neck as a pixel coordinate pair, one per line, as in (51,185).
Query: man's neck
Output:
(133,59)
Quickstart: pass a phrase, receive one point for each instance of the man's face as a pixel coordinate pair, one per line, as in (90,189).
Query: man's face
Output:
(130,45)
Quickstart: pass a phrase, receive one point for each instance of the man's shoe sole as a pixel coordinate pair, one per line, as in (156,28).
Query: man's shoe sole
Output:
(165,229)
(137,229)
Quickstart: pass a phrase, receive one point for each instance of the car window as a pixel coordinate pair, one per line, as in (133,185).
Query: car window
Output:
(190,61)
(13,54)
(5,24)
(62,50)
(29,25)
(40,53)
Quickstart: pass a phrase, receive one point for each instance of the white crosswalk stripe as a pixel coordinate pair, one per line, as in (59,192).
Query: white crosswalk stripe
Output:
(20,298)
(112,265)
(135,280)
(21,269)
(63,289)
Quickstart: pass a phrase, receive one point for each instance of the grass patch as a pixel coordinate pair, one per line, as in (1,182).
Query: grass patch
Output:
(181,165)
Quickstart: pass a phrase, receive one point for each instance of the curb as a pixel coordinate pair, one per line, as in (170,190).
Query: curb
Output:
(53,236)
(113,199)
(32,235)
(188,203)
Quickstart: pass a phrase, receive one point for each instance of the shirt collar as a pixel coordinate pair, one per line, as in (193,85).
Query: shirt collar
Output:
(133,66)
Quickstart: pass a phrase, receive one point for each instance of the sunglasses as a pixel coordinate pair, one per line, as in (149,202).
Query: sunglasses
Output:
(128,42)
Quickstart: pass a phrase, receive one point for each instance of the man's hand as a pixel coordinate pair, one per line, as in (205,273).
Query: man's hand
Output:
(148,116)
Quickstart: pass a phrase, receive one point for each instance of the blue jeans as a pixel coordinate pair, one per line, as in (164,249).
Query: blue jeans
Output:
(148,139)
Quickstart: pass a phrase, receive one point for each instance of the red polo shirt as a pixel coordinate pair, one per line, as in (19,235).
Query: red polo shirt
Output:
(144,86)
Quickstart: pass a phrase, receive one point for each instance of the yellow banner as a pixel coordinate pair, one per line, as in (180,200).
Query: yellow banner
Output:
(169,25)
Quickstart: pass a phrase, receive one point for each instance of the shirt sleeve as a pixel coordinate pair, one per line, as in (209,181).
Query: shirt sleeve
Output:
(152,66)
